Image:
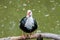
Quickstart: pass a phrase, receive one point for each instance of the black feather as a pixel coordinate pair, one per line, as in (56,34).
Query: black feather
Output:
(23,28)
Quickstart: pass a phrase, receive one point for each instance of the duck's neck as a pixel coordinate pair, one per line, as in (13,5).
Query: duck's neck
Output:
(29,16)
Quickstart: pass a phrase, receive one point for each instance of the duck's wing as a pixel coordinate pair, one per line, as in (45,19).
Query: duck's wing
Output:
(23,20)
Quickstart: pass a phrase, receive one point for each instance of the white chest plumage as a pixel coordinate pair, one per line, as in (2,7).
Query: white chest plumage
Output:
(29,23)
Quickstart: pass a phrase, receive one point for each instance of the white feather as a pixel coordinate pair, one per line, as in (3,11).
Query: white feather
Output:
(29,23)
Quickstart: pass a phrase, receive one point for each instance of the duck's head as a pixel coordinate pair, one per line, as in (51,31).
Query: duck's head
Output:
(29,13)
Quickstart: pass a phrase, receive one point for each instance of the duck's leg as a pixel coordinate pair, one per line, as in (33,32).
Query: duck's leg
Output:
(23,33)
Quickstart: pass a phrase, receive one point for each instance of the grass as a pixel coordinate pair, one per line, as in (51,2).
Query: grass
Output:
(46,12)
